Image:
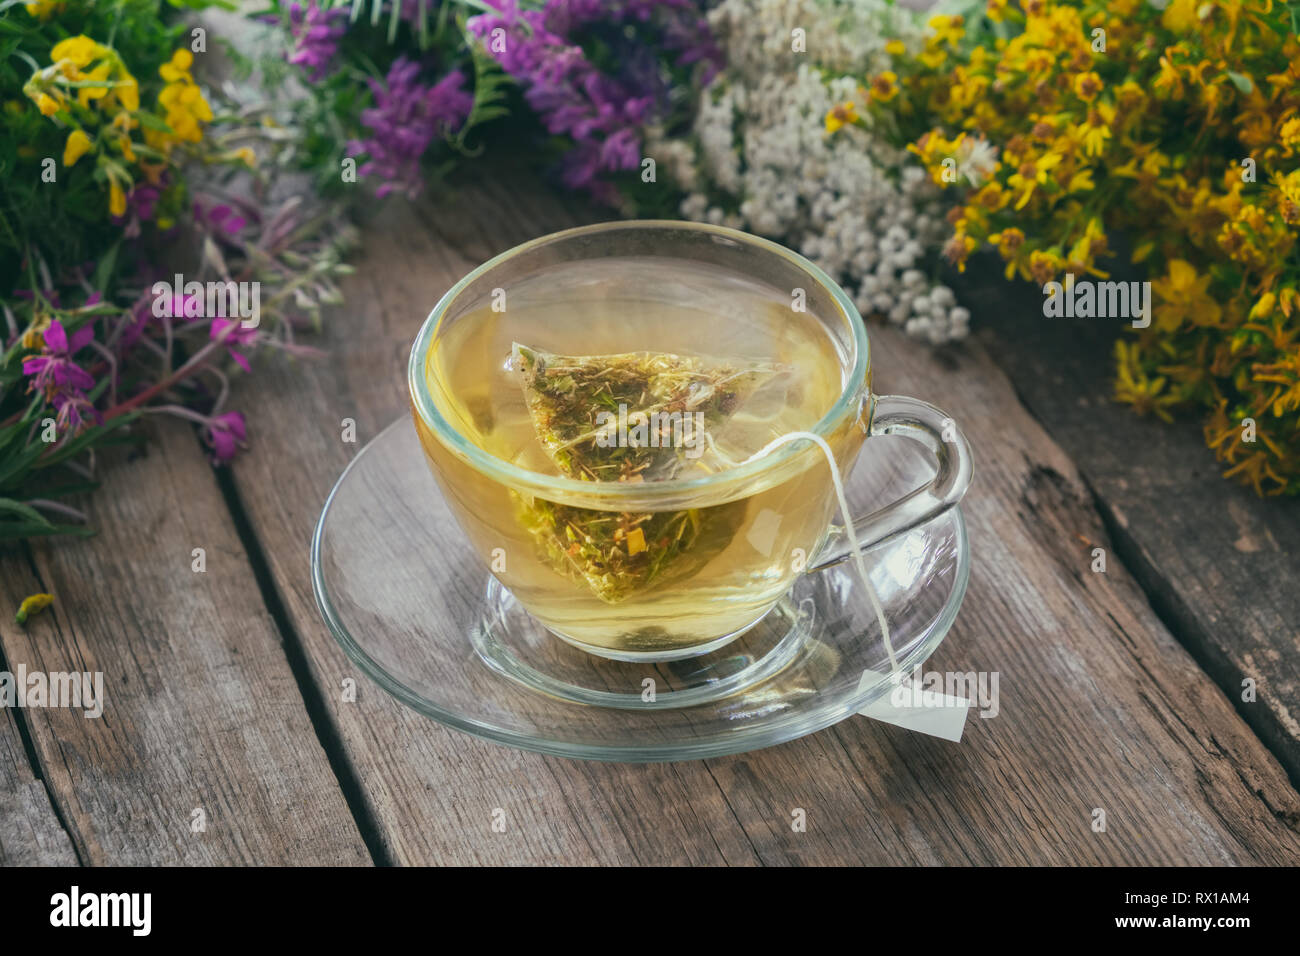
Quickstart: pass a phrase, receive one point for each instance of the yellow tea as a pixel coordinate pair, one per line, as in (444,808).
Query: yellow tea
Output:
(627,371)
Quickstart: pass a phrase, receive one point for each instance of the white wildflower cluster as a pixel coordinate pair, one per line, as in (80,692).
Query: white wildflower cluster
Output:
(861,209)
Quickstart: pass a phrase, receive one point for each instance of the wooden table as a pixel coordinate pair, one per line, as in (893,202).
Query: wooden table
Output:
(1120,691)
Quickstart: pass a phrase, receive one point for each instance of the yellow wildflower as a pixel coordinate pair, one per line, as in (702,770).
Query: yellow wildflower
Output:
(128,92)
(1008,243)
(78,145)
(1096,131)
(1288,189)
(32,337)
(1087,86)
(958,249)
(88,93)
(884,87)
(1130,96)
(1044,266)
(1134,387)
(116,200)
(841,115)
(33,604)
(1031,175)
(896,48)
(1264,307)
(1169,80)
(1180,16)
(948,29)
(44,9)
(47,104)
(1185,298)
(1080,182)
(81,51)
(178,68)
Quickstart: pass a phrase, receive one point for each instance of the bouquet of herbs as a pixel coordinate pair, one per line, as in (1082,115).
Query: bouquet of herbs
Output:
(120,171)
(386,93)
(1060,122)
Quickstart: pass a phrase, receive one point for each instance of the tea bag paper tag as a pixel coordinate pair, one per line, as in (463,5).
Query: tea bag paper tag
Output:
(911,707)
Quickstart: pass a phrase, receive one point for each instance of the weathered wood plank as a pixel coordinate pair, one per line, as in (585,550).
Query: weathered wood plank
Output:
(30,832)
(1220,564)
(1100,707)
(201,710)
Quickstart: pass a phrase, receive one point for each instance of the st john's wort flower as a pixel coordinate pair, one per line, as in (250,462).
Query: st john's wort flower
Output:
(406,117)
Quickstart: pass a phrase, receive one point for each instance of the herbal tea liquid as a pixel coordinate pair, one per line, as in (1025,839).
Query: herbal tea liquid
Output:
(645,581)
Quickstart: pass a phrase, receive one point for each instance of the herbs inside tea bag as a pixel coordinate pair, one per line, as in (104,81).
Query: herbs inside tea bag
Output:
(632,417)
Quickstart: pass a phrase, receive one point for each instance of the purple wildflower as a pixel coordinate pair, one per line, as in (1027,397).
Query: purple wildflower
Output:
(240,335)
(404,120)
(316,34)
(54,369)
(220,217)
(224,434)
(63,381)
(73,410)
(602,112)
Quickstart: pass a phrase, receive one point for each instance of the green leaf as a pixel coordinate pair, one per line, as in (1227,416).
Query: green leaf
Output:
(149,121)
(13,471)
(97,435)
(13,530)
(104,271)
(1241,81)
(9,506)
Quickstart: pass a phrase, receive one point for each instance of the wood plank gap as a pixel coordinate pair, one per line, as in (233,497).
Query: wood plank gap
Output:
(326,733)
(25,732)
(1172,612)
(1184,627)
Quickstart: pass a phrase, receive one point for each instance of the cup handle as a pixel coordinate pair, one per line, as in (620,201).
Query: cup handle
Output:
(921,422)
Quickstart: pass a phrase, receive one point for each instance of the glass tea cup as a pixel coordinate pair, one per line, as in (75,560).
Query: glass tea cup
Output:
(749,530)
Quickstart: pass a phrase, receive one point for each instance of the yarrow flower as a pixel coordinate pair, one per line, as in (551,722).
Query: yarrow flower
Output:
(406,117)
(786,150)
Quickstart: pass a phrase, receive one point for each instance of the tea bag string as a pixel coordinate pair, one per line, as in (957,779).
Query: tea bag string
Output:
(858,561)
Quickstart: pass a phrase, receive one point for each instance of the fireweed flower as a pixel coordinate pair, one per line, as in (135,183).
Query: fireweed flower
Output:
(54,369)
(604,111)
(73,411)
(224,434)
(63,382)
(239,335)
(406,117)
(316,34)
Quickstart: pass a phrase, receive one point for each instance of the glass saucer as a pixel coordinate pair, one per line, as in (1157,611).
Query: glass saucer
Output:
(414,608)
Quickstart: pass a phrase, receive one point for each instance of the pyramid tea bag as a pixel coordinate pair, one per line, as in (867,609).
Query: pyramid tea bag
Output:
(633,417)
